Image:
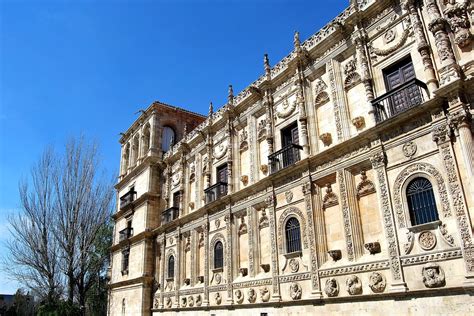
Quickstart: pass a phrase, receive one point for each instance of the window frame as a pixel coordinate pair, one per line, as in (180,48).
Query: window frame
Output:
(169,267)
(286,241)
(216,257)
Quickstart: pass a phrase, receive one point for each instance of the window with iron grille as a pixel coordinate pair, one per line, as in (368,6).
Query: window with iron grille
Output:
(218,255)
(171,267)
(125,259)
(293,235)
(421,201)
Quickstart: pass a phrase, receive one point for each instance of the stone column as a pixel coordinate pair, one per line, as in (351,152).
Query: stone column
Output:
(154,137)
(162,242)
(228,256)
(194,248)
(177,264)
(205,230)
(437,26)
(315,283)
(440,134)
(350,215)
(320,227)
(422,44)
(268,104)
(341,113)
(252,128)
(385,202)
(270,206)
(360,38)
(230,160)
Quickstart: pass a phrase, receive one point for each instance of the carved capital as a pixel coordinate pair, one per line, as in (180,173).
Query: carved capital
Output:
(440,134)
(378,160)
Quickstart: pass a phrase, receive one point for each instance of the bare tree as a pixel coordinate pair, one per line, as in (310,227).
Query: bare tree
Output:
(33,250)
(84,203)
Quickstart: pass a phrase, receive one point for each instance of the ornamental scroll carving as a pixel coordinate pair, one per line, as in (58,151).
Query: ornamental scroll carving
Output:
(292,211)
(425,168)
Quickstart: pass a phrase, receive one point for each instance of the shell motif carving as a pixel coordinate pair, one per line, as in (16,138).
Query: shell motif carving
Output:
(332,287)
(265,294)
(286,108)
(354,285)
(239,296)
(176,179)
(377,282)
(252,295)
(295,291)
(220,150)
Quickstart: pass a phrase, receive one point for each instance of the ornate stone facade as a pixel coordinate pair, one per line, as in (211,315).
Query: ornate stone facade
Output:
(229,216)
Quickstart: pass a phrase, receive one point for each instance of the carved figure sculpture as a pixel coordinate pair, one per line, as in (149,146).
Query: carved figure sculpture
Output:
(198,300)
(295,291)
(218,298)
(331,288)
(252,296)
(354,285)
(190,301)
(265,294)
(377,282)
(239,296)
(433,275)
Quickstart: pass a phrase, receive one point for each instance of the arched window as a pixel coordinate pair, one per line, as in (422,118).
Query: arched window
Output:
(135,144)
(171,267)
(218,255)
(126,158)
(421,201)
(146,140)
(168,138)
(123,307)
(293,235)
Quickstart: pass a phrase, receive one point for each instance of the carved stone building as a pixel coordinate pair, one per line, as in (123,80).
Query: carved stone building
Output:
(338,181)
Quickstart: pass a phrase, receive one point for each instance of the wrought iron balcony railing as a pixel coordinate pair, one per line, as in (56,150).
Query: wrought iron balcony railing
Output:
(127,198)
(400,99)
(215,191)
(169,215)
(125,233)
(285,157)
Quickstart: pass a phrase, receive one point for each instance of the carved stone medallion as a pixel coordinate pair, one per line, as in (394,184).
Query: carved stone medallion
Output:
(433,275)
(190,301)
(427,240)
(198,300)
(217,222)
(354,285)
(389,36)
(252,296)
(295,291)
(377,282)
(239,296)
(218,298)
(218,278)
(168,302)
(294,265)
(409,149)
(265,294)
(183,301)
(331,288)
(288,196)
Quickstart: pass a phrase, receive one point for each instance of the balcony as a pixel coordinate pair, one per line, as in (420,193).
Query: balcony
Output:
(400,99)
(215,191)
(127,198)
(285,157)
(126,233)
(169,215)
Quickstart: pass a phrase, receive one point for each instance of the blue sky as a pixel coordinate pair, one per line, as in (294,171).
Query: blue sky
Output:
(72,67)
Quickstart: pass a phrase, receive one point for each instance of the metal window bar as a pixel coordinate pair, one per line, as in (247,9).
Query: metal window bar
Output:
(215,191)
(127,198)
(218,255)
(421,202)
(400,99)
(285,157)
(169,215)
(293,235)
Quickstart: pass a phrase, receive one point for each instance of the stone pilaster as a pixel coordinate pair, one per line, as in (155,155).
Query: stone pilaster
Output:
(385,202)
(441,135)
(154,137)
(205,230)
(315,283)
(177,274)
(270,207)
(268,104)
(422,44)
(341,113)
(252,129)
(302,117)
(251,225)
(320,227)
(228,257)
(230,152)
(194,248)
(162,272)
(351,215)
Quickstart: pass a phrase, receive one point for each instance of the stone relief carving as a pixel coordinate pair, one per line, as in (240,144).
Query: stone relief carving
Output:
(447,237)
(374,52)
(239,296)
(198,300)
(320,94)
(354,285)
(335,254)
(242,227)
(190,301)
(265,294)
(286,108)
(365,186)
(358,122)
(295,291)
(377,282)
(405,174)
(352,77)
(330,198)
(261,129)
(217,223)
(176,179)
(288,196)
(184,302)
(408,246)
(409,149)
(244,145)
(372,247)
(457,16)
(326,138)
(427,240)
(252,295)
(218,298)
(263,222)
(294,265)
(218,278)
(332,287)
(168,302)
(433,275)
(390,36)
(220,150)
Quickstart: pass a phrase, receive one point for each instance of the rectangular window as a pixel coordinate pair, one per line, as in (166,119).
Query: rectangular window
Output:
(176,199)
(289,135)
(125,260)
(221,174)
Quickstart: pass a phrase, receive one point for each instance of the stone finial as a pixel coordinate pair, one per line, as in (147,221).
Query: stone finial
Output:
(230,96)
(266,64)
(185,130)
(296,40)
(211,109)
